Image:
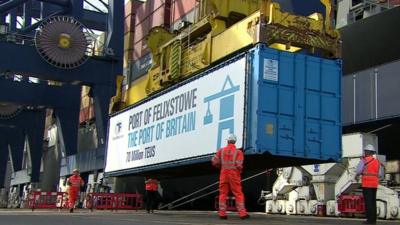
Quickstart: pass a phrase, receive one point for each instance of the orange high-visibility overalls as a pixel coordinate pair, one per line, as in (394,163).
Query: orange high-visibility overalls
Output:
(75,183)
(230,160)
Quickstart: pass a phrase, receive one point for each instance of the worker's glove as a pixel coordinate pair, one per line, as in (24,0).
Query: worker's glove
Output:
(216,164)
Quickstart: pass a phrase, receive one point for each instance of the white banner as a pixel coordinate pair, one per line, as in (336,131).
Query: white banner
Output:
(192,120)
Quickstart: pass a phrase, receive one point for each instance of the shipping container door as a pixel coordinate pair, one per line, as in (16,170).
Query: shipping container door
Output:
(331,127)
(277,96)
(298,104)
(313,107)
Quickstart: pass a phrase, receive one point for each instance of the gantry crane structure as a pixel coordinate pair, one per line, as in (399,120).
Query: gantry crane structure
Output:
(56,43)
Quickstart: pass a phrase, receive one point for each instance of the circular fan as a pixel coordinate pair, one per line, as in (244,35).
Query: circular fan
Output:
(62,42)
(8,111)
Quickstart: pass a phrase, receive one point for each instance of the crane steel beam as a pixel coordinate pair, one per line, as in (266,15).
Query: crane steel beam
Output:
(24,93)
(65,3)
(93,6)
(94,20)
(34,65)
(98,72)
(104,4)
(66,111)
(7,6)
(34,26)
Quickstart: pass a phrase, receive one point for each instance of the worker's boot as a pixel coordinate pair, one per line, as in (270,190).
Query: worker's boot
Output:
(245,217)
(71,210)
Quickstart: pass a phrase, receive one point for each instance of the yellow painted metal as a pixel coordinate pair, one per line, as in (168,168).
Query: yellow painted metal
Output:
(116,102)
(196,57)
(137,91)
(228,8)
(194,53)
(128,40)
(154,81)
(329,29)
(228,26)
(157,37)
(312,33)
(238,36)
(175,60)
(284,47)
(64,41)
(217,26)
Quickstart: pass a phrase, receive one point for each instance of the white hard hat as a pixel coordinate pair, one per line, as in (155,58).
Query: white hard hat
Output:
(231,137)
(370,148)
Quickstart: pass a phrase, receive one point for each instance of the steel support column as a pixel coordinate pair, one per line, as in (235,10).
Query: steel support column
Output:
(17,144)
(77,9)
(35,137)
(2,18)
(27,14)
(68,123)
(3,158)
(102,93)
(13,20)
(116,31)
(101,96)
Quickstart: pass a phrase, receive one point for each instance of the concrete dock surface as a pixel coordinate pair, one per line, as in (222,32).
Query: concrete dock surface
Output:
(99,217)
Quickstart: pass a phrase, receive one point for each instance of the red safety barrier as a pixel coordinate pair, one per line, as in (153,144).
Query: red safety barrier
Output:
(130,201)
(351,204)
(45,200)
(114,201)
(230,203)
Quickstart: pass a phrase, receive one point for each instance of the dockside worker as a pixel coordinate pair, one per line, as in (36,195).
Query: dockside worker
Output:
(369,169)
(230,161)
(74,182)
(151,186)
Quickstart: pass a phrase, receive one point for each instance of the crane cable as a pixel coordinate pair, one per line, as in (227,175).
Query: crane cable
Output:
(171,206)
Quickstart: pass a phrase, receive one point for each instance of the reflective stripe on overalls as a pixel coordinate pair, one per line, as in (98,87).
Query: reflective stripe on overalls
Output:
(227,164)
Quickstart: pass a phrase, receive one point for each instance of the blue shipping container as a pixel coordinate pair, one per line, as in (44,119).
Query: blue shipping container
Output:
(294,103)
(292,111)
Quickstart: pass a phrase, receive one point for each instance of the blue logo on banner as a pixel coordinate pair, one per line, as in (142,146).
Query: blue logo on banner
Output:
(226,108)
(118,128)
